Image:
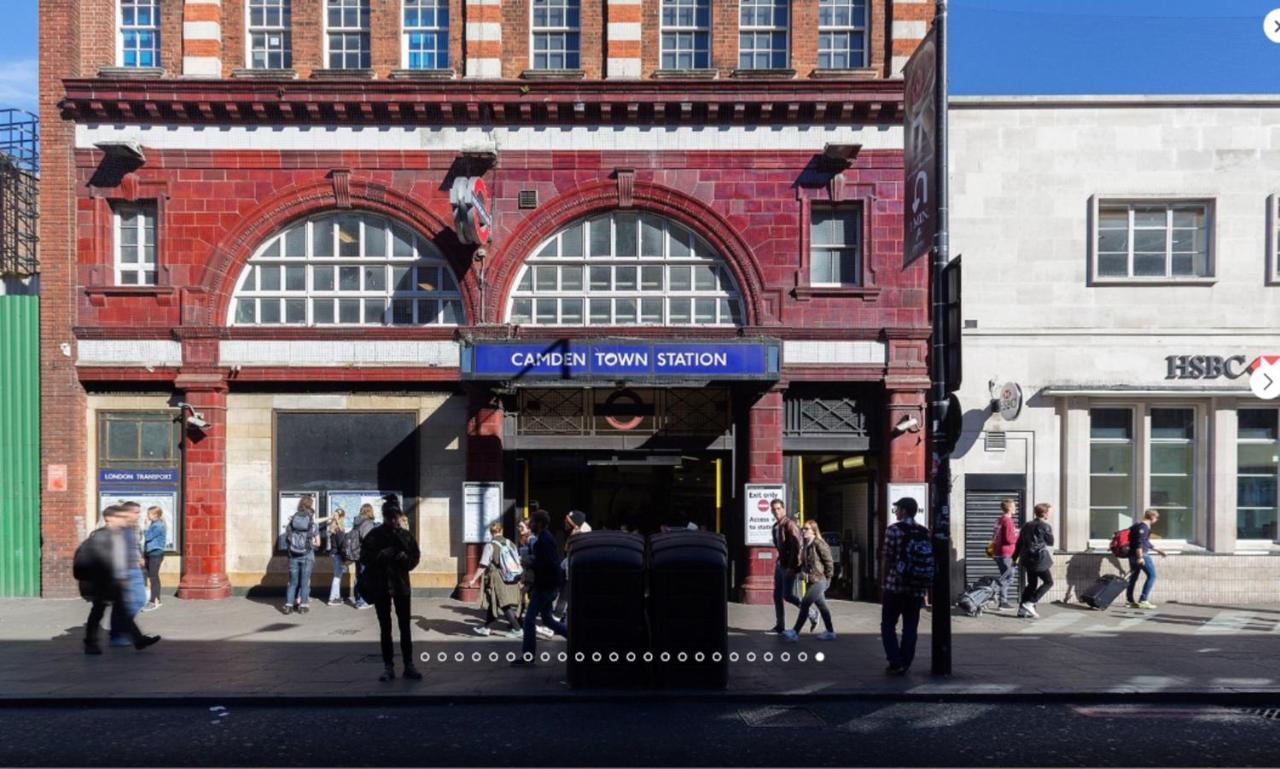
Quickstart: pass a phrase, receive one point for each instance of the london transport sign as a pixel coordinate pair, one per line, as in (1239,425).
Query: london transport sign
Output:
(611,360)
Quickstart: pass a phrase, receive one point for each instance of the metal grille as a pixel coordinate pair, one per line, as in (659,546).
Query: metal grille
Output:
(825,416)
(19,188)
(981,509)
(527,199)
(995,440)
(571,411)
(553,412)
(696,412)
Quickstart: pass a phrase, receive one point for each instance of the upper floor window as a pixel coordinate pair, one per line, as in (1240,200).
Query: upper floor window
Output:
(270,38)
(1153,239)
(134,239)
(835,245)
(347,34)
(426,34)
(762,34)
(556,34)
(348,269)
(625,269)
(842,34)
(686,34)
(139,41)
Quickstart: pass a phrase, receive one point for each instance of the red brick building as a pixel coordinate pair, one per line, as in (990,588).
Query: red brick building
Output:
(692,280)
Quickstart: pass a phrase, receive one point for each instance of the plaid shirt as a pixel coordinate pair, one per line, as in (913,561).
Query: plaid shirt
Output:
(891,580)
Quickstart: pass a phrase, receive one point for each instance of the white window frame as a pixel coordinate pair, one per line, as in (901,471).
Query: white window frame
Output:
(442,7)
(1208,203)
(770,29)
(856,247)
(1135,469)
(120,31)
(851,29)
(1253,545)
(285,30)
(446,294)
(147,273)
(565,30)
(366,31)
(677,29)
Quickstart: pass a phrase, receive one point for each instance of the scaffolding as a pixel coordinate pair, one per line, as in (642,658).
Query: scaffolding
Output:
(19,192)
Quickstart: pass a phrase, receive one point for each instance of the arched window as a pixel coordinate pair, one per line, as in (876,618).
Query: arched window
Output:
(625,269)
(347,270)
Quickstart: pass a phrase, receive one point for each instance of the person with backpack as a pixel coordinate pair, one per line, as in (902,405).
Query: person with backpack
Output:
(389,553)
(544,563)
(154,542)
(302,537)
(1004,539)
(906,558)
(817,567)
(337,539)
(101,565)
(501,570)
(1032,554)
(135,591)
(1140,560)
(351,548)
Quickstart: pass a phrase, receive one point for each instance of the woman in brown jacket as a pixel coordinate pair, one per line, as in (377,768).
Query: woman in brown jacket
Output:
(817,567)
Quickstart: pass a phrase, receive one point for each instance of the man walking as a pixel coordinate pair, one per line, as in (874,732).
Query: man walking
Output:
(544,562)
(906,559)
(102,565)
(786,540)
(1140,560)
(1003,542)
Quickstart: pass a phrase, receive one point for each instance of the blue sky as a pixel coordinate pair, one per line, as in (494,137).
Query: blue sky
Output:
(997,47)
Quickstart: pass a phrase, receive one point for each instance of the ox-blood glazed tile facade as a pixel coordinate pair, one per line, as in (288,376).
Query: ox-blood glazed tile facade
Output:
(311,298)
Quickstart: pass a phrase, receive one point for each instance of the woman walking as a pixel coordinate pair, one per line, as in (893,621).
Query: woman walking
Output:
(1032,553)
(817,567)
(500,598)
(337,542)
(389,553)
(154,541)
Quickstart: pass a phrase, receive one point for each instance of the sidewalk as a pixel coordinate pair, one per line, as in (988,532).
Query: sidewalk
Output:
(244,648)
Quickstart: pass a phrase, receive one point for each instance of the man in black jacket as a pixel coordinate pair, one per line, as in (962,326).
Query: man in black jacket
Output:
(389,553)
(102,567)
(544,562)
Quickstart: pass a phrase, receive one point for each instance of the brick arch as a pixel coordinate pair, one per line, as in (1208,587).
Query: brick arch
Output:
(299,201)
(602,197)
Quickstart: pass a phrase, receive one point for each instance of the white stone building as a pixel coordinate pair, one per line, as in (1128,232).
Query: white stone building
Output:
(1120,266)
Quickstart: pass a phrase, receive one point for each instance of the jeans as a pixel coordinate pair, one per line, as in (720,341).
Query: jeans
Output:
(383,607)
(121,618)
(784,589)
(815,595)
(540,602)
(153,572)
(355,585)
(1007,573)
(300,579)
(339,571)
(907,607)
(1148,566)
(1032,594)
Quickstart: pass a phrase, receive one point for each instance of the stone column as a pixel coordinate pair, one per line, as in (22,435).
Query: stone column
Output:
(764,457)
(1222,468)
(204,522)
(1073,511)
(484,463)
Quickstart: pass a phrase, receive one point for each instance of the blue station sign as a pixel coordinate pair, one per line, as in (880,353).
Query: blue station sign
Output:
(613,360)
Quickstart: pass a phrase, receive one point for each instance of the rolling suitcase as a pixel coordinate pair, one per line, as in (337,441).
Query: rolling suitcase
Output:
(976,598)
(1106,590)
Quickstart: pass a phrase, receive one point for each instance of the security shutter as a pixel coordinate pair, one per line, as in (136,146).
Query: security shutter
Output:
(981,509)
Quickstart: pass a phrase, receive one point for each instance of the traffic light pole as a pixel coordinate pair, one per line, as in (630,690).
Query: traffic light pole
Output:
(939,451)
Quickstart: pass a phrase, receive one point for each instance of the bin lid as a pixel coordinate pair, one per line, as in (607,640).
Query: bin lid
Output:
(612,547)
(689,547)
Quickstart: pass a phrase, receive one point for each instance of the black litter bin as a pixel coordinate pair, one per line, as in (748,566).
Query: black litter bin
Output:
(689,609)
(608,635)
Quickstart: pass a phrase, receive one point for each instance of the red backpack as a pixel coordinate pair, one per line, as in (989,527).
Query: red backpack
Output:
(1120,544)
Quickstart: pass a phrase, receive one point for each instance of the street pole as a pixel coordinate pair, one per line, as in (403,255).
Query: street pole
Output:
(940,465)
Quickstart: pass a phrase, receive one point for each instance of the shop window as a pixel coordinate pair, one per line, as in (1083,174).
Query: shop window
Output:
(762,34)
(686,34)
(270,35)
(835,245)
(625,269)
(134,243)
(1153,240)
(1172,471)
(842,34)
(347,34)
(426,34)
(1111,471)
(139,39)
(1257,474)
(556,34)
(347,269)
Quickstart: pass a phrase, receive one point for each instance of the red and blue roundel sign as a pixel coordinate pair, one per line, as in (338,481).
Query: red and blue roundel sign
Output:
(472,213)
(480,214)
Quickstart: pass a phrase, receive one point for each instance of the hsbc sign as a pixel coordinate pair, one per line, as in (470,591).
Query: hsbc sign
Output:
(920,204)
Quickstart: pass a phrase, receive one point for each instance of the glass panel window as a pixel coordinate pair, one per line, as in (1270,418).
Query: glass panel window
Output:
(270,36)
(762,34)
(686,34)
(347,34)
(1172,471)
(835,246)
(1257,473)
(1111,471)
(352,280)
(1153,240)
(139,40)
(842,34)
(555,32)
(426,34)
(135,244)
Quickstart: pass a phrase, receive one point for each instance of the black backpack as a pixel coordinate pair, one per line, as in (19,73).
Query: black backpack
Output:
(300,534)
(351,544)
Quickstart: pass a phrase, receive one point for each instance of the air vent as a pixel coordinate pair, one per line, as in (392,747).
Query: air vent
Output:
(527,199)
(994,440)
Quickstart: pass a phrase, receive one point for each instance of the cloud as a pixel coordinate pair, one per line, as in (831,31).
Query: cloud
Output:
(19,84)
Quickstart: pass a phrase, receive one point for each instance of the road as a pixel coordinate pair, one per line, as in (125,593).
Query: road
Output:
(689,733)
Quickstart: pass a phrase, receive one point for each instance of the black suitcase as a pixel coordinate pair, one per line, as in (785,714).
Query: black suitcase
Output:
(1105,591)
(976,598)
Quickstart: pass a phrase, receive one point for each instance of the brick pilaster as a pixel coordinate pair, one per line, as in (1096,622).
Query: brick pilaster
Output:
(204,539)
(483,44)
(484,463)
(623,39)
(764,458)
(202,38)
(909,23)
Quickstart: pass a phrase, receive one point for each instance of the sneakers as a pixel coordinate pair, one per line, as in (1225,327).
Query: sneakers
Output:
(514,634)
(790,634)
(1132,605)
(363,605)
(150,606)
(303,609)
(481,630)
(286,609)
(894,669)
(412,674)
(388,674)
(1028,610)
(145,641)
(1146,605)
(827,636)
(544,631)
(336,602)
(1005,605)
